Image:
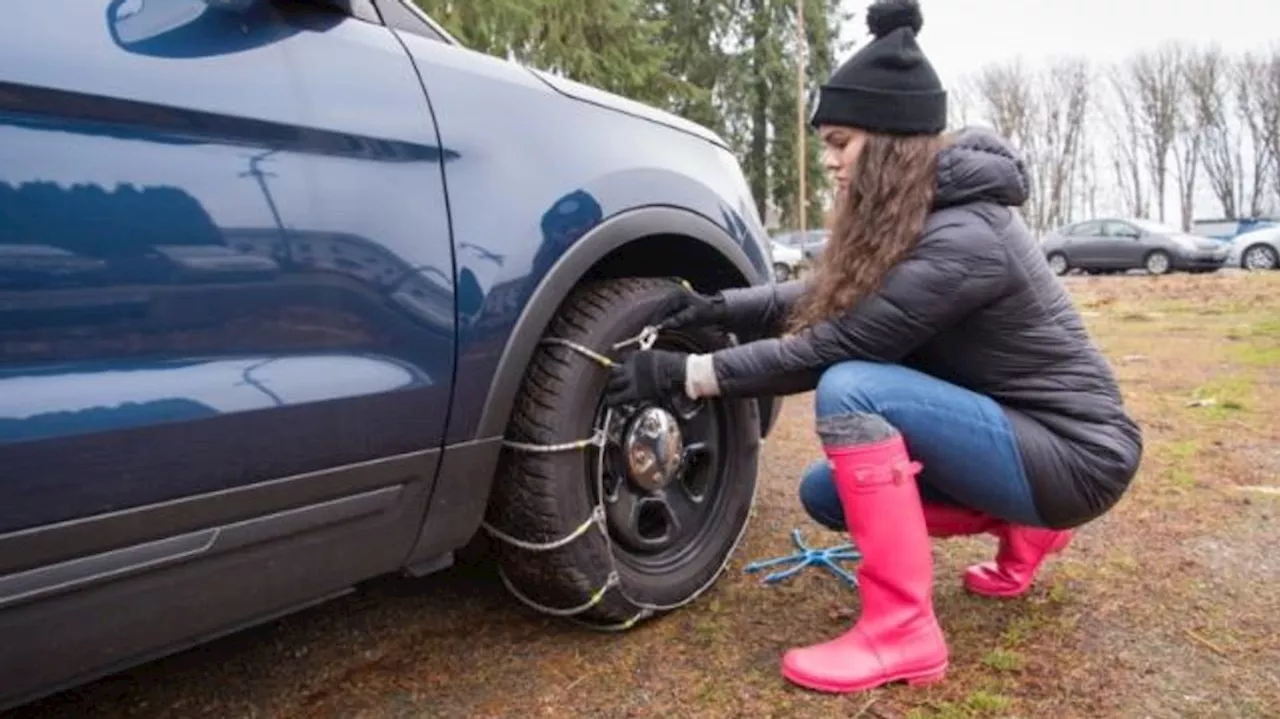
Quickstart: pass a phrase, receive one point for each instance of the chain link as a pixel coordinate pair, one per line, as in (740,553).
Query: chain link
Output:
(596,440)
(597,518)
(645,341)
(580,349)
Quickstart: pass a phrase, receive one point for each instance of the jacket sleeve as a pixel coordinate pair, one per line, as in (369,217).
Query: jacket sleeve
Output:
(951,272)
(761,310)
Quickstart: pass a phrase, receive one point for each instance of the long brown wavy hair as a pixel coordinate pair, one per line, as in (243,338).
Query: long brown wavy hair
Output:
(877,220)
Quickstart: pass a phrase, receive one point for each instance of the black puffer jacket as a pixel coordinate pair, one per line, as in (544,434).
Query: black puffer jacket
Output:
(974,304)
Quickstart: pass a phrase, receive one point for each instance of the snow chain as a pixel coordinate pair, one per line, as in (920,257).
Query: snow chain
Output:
(645,340)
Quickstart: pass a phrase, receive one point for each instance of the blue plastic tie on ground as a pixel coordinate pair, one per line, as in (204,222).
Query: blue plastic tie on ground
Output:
(809,557)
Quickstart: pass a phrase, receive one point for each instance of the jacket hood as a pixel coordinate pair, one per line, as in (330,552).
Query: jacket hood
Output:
(981,166)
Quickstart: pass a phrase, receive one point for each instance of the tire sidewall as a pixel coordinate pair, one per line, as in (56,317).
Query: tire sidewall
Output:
(573,472)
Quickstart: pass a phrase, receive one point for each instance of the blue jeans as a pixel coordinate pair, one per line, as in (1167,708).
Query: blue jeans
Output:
(962,438)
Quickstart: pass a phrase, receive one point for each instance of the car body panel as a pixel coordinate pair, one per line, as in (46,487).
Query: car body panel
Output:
(788,255)
(810,242)
(268,281)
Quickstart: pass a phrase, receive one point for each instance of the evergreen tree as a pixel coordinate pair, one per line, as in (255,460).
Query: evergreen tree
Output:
(728,64)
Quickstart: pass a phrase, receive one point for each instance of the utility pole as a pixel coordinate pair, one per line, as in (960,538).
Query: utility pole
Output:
(256,172)
(802,151)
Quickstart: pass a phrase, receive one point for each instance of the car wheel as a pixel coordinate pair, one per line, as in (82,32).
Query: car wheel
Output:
(1157,262)
(670,526)
(781,271)
(1058,264)
(1260,257)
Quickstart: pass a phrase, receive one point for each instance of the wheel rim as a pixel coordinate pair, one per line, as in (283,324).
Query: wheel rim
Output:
(1058,264)
(1260,258)
(657,520)
(1157,264)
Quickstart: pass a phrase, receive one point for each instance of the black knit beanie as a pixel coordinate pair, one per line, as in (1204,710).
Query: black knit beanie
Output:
(888,85)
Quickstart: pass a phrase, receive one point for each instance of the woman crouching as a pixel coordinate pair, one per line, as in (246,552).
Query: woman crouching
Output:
(957,390)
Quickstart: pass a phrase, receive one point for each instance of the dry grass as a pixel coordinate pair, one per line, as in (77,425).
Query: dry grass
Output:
(1168,607)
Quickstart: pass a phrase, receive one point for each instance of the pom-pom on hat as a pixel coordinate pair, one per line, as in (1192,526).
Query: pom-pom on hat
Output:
(888,85)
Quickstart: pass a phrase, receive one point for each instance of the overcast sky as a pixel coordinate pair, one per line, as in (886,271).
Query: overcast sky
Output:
(960,36)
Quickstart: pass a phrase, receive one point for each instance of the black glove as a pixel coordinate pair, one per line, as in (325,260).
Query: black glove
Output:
(690,309)
(646,375)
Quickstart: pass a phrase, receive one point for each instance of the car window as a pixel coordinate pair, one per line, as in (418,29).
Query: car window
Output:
(1120,229)
(359,9)
(404,15)
(1086,229)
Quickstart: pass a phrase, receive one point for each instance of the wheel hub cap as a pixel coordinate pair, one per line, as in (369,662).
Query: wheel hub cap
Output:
(1258,259)
(654,449)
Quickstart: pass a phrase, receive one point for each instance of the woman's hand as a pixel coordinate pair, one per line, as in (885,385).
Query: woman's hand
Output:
(646,375)
(690,309)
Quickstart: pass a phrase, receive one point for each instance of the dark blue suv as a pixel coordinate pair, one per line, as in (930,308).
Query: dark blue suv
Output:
(298,293)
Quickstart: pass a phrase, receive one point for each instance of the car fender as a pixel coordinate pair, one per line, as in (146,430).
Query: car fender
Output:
(568,271)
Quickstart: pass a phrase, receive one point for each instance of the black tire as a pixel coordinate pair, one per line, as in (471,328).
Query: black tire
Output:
(542,497)
(1058,264)
(1157,259)
(781,271)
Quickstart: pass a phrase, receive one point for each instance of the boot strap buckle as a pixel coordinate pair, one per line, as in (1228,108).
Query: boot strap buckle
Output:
(905,471)
(897,473)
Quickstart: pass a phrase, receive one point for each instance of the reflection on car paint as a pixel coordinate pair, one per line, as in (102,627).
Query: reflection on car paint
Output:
(76,399)
(196,197)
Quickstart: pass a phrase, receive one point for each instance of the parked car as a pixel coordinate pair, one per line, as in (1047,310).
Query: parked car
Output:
(285,293)
(1256,250)
(1119,245)
(810,242)
(787,261)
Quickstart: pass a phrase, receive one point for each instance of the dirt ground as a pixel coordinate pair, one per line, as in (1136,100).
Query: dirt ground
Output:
(1168,607)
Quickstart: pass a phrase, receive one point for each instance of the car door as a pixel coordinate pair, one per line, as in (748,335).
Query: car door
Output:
(226,320)
(1124,247)
(1084,247)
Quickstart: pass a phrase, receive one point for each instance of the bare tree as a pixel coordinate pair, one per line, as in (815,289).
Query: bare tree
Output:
(1009,103)
(1198,69)
(1090,176)
(1007,100)
(1209,79)
(1158,81)
(1253,107)
(1121,116)
(1088,181)
(1062,112)
(962,101)
(1268,107)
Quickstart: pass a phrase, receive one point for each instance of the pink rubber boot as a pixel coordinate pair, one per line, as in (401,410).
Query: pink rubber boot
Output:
(1022,550)
(944,520)
(897,637)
